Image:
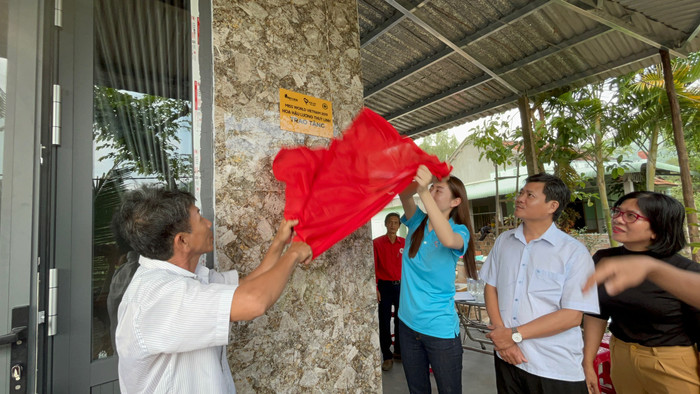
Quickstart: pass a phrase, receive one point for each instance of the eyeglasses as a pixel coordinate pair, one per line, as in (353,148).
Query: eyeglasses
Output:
(627,216)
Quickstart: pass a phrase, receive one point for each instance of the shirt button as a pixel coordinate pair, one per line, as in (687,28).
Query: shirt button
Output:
(520,281)
(516,299)
(515,318)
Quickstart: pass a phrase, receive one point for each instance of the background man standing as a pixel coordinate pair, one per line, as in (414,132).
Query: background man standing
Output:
(534,276)
(388,252)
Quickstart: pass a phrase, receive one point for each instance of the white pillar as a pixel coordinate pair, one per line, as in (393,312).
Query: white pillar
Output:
(627,184)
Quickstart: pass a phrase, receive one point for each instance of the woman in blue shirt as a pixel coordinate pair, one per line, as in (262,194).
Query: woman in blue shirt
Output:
(429,326)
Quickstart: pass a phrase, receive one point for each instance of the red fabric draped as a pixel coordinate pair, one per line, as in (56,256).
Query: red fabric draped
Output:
(333,191)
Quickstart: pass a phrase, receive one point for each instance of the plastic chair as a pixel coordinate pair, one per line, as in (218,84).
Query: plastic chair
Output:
(602,367)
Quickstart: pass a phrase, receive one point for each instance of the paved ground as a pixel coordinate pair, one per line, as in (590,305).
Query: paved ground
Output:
(478,375)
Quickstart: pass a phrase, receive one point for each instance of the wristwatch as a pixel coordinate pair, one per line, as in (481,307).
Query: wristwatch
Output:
(517,337)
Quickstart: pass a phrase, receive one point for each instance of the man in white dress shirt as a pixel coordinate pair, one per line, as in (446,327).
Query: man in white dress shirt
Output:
(174,317)
(534,276)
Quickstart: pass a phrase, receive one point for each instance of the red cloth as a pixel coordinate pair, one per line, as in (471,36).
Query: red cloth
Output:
(333,191)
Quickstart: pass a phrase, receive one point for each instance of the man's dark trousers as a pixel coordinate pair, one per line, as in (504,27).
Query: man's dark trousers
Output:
(389,292)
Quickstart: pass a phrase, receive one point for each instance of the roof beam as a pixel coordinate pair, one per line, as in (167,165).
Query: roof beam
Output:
(476,36)
(651,52)
(691,37)
(388,24)
(450,44)
(596,71)
(623,27)
(566,44)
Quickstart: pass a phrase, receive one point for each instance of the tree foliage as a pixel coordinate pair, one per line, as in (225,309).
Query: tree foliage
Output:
(498,142)
(140,133)
(647,114)
(440,144)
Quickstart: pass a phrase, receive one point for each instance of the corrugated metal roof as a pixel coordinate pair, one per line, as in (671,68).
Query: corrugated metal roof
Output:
(447,62)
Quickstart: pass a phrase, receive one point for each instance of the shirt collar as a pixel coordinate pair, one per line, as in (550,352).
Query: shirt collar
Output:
(552,235)
(164,265)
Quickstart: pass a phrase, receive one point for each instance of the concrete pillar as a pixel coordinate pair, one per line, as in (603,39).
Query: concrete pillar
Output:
(322,334)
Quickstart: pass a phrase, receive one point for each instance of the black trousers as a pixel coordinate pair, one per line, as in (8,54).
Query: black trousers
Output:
(389,293)
(513,380)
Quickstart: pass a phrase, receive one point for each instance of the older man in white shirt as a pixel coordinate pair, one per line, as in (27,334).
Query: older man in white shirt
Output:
(173,321)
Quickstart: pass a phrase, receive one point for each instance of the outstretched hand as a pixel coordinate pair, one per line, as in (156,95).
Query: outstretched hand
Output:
(620,273)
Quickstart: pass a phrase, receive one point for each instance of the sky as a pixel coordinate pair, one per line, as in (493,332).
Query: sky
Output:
(512,116)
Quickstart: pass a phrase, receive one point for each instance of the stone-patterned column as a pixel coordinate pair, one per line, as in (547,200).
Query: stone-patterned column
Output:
(322,334)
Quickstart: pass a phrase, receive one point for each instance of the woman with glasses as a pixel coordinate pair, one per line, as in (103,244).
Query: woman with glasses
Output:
(654,335)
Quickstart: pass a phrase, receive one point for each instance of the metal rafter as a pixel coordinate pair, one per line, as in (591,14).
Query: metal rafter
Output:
(388,24)
(623,27)
(450,44)
(478,35)
(691,37)
(601,69)
(566,44)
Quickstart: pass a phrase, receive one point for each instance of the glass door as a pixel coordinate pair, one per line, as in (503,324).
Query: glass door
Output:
(129,123)
(141,131)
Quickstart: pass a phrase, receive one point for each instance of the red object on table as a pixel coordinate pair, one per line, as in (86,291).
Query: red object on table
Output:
(333,191)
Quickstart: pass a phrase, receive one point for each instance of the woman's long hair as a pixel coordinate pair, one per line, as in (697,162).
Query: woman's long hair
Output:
(459,215)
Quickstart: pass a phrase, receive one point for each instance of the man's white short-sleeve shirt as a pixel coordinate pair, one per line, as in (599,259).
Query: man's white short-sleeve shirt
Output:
(537,278)
(173,328)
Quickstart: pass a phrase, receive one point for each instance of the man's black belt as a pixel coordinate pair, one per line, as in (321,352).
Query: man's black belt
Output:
(391,282)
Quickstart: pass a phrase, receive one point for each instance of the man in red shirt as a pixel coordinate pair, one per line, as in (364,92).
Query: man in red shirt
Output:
(388,252)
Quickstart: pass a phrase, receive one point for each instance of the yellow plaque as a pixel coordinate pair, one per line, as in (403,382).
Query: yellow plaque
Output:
(305,114)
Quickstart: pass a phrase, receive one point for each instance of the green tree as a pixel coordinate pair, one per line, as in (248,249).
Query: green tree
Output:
(647,113)
(502,145)
(440,144)
(140,132)
(584,125)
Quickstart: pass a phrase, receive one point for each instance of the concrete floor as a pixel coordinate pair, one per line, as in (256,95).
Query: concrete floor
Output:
(478,375)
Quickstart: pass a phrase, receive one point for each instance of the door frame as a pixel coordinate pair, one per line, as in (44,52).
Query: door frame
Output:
(26,115)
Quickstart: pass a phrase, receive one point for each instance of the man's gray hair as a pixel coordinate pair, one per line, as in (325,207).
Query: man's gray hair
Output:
(150,217)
